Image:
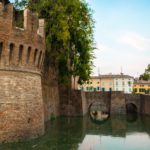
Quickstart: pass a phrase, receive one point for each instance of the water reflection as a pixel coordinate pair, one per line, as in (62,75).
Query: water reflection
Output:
(130,142)
(89,142)
(117,133)
(132,117)
(98,112)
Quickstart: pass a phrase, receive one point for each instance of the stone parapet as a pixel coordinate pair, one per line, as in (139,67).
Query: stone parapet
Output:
(21,47)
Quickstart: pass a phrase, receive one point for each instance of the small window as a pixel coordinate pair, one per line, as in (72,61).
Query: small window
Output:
(135,90)
(20,53)
(35,55)
(91,88)
(28,55)
(103,89)
(1,48)
(11,49)
(123,89)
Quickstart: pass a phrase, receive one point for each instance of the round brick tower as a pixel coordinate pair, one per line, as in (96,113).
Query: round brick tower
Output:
(21,58)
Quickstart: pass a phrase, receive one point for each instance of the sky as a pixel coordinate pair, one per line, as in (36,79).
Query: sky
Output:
(122,36)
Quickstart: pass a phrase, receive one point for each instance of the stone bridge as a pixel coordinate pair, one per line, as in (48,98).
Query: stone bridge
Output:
(115,102)
(99,98)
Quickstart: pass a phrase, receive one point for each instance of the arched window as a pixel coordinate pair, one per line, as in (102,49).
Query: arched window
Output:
(11,49)
(35,55)
(1,48)
(39,58)
(20,53)
(28,55)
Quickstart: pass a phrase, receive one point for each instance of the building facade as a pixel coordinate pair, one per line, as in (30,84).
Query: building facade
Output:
(109,83)
(141,87)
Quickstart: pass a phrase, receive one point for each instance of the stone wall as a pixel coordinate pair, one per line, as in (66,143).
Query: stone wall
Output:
(101,97)
(21,106)
(145,104)
(72,102)
(118,103)
(50,93)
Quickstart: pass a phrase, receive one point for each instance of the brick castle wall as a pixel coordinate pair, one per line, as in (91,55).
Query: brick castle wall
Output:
(22,53)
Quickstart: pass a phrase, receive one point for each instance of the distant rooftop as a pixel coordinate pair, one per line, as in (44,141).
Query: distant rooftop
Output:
(111,76)
(142,82)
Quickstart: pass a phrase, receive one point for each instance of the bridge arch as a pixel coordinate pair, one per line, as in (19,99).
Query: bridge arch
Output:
(131,108)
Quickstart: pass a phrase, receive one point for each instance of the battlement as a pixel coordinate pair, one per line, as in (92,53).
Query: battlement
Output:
(21,48)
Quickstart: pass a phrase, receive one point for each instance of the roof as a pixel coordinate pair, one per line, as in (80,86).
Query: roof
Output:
(111,76)
(142,82)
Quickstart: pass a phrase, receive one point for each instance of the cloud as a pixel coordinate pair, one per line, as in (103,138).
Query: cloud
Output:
(135,40)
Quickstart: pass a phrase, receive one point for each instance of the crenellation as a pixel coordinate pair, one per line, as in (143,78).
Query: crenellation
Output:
(30,21)
(41,30)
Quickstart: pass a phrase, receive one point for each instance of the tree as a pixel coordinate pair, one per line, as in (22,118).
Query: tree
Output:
(69,35)
(146,74)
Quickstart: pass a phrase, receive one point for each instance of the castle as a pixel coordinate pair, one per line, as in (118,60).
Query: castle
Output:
(22,52)
(29,91)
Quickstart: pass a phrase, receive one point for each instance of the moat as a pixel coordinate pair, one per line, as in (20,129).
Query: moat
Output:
(129,132)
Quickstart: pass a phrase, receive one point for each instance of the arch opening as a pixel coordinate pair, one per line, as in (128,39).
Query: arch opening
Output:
(20,53)
(131,108)
(35,55)
(28,55)
(11,51)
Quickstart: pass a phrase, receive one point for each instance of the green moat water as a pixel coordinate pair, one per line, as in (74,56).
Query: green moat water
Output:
(116,133)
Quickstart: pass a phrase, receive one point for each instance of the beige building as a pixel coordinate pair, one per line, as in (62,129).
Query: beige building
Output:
(141,87)
(108,83)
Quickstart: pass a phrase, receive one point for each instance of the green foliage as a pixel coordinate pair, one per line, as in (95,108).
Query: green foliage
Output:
(19,5)
(19,18)
(146,75)
(69,36)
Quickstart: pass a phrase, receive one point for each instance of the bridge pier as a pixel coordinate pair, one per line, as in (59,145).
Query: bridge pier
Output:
(118,105)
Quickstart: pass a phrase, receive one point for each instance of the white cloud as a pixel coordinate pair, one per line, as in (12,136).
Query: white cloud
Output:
(135,40)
